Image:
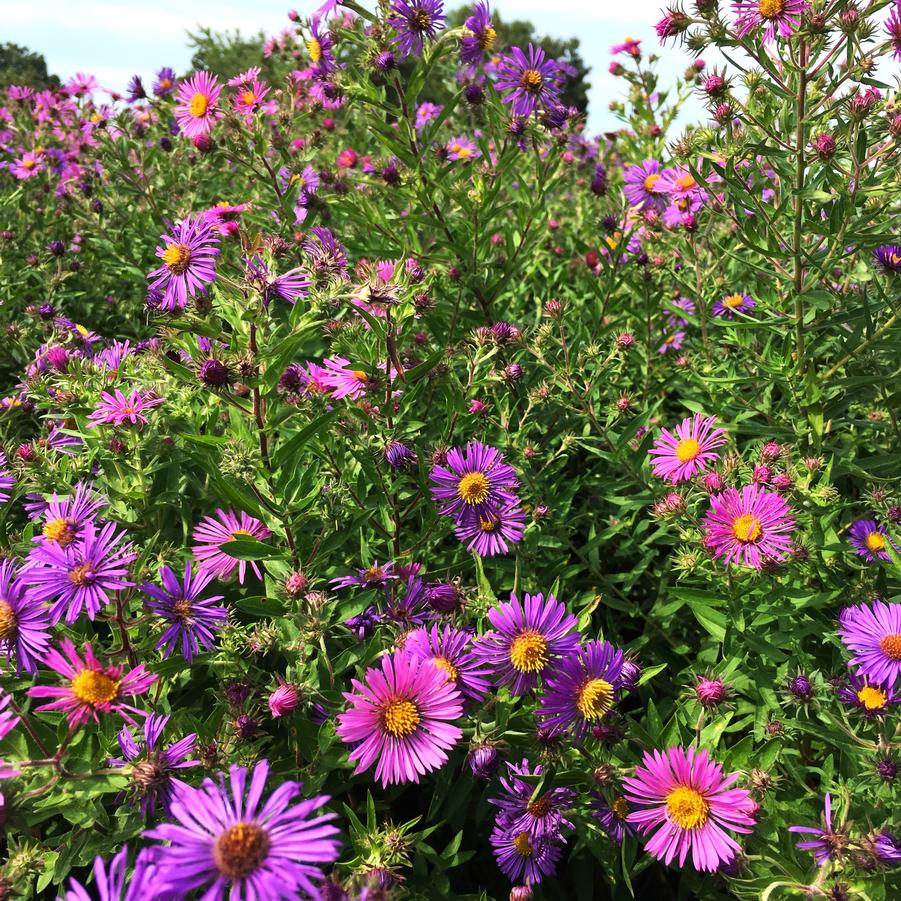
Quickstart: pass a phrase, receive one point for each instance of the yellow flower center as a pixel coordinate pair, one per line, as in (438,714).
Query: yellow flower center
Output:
(8,622)
(487,39)
(595,699)
(81,330)
(238,534)
(59,530)
(687,450)
(620,808)
(650,181)
(875,541)
(488,525)
(177,257)
(890,646)
(522,846)
(400,717)
(81,576)
(165,84)
(733,301)
(240,850)
(669,339)
(359,375)
(687,808)
(248,97)
(685,182)
(529,652)
(770,9)
(531,81)
(746,528)
(96,118)
(198,105)
(473,488)
(92,687)
(461,151)
(444,664)
(315,49)
(29,164)
(872,698)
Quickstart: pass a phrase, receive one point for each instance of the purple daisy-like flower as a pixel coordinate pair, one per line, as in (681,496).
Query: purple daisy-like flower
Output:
(893,30)
(327,255)
(519,809)
(24,622)
(829,843)
(582,689)
(731,304)
(224,840)
(411,608)
(401,718)
(773,16)
(475,481)
(195,107)
(189,255)
(7,482)
(164,84)
(193,621)
(415,22)
(111,882)
(289,287)
(686,801)
(680,457)
(870,698)
(64,520)
(671,342)
(529,81)
(612,816)
(480,35)
(451,651)
(888,257)
(745,527)
(462,148)
(642,186)
(374,576)
(870,539)
(226,526)
(117,408)
(343,380)
(887,848)
(874,633)
(522,857)
(493,531)
(152,767)
(81,576)
(528,637)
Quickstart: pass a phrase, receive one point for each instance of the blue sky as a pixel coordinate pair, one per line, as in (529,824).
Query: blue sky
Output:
(116,38)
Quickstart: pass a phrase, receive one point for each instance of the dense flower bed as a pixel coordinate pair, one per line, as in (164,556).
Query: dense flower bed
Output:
(403,494)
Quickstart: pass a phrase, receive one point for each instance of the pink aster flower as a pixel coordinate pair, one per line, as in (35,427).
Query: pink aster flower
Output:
(249,97)
(195,109)
(401,719)
(90,687)
(893,29)
(678,458)
(747,526)
(781,16)
(671,342)
(214,531)
(686,801)
(344,381)
(461,149)
(27,166)
(117,409)
(874,633)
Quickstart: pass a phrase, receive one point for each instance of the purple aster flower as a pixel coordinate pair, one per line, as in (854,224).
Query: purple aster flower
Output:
(483,760)
(480,35)
(887,847)
(523,857)
(642,186)
(425,113)
(81,576)
(399,455)
(582,688)
(189,262)
(290,286)
(6,479)
(680,457)
(24,622)
(529,81)
(111,883)
(888,257)
(415,21)
(461,148)
(527,639)
(492,532)
(870,539)
(672,342)
(870,698)
(343,380)
(165,82)
(450,650)
(829,844)
(520,810)
(410,608)
(226,526)
(612,816)
(117,408)
(374,576)
(731,304)
(874,633)
(475,481)
(224,840)
(401,718)
(152,767)
(192,620)
(773,16)
(65,519)
(363,623)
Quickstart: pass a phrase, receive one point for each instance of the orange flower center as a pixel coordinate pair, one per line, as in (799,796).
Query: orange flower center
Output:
(746,528)
(733,301)
(59,530)
(400,717)
(240,850)
(521,845)
(29,164)
(248,97)
(177,257)
(81,576)
(198,105)
(620,808)
(650,181)
(872,698)
(531,81)
(875,541)
(93,687)
(891,646)
(540,807)
(529,652)
(444,664)
(8,621)
(771,9)
(687,807)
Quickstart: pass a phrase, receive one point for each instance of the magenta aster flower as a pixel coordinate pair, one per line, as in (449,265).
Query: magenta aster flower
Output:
(27,166)
(193,621)
(91,688)
(581,690)
(528,639)
(870,698)
(195,106)
(731,304)
(691,450)
(522,857)
(874,632)
(475,481)
(672,342)
(401,718)
(492,532)
(642,186)
(529,81)
(81,576)
(450,650)
(893,30)
(343,380)
(24,621)
(374,576)
(117,409)
(249,97)
(613,816)
(685,797)
(781,16)
(415,21)
(64,520)
(746,526)
(7,482)
(189,262)
(214,531)
(829,843)
(479,36)
(461,149)
(225,841)
(870,539)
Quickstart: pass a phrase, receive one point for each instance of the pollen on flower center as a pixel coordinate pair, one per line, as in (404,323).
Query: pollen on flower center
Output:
(531,81)
(521,845)
(474,488)
(29,164)
(687,450)
(59,530)
(595,698)
(487,39)
(686,182)
(687,807)
(8,621)
(529,652)
(872,698)
(488,524)
(650,181)
(420,20)
(890,645)
(444,664)
(770,9)
(620,808)
(359,375)
(81,575)
(177,257)
(733,301)
(92,687)
(198,105)
(238,534)
(746,528)
(182,610)
(400,717)
(374,574)
(875,541)
(540,807)
(248,97)
(315,49)
(240,850)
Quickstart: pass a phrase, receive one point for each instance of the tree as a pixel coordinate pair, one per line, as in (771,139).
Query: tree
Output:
(19,65)
(226,53)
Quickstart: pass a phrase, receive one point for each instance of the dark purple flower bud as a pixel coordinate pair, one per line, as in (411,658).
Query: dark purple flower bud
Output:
(443,597)
(474,94)
(384,61)
(165,143)
(214,373)
(801,687)
(610,731)
(246,727)
(399,456)
(46,311)
(483,761)
(673,23)
(236,693)
(512,372)
(631,673)
(887,769)
(57,248)
(414,270)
